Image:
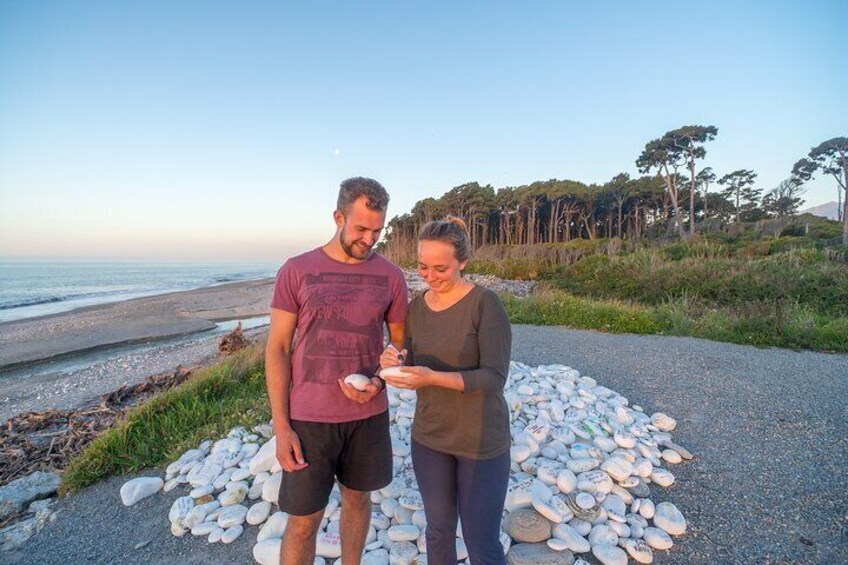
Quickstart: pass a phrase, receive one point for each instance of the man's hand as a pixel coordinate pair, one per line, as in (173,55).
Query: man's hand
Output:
(289,452)
(363,396)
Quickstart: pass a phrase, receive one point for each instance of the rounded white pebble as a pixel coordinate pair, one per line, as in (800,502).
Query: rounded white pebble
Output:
(267,552)
(136,489)
(404,533)
(258,513)
(657,538)
(215,535)
(585,500)
(557,544)
(609,554)
(670,519)
(640,551)
(231,534)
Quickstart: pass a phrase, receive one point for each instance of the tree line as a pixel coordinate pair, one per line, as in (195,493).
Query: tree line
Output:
(673,194)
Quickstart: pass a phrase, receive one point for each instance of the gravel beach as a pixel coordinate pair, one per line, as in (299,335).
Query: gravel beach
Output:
(130,321)
(768,427)
(116,344)
(64,390)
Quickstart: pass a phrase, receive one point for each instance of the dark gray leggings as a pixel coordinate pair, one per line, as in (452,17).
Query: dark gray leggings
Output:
(474,487)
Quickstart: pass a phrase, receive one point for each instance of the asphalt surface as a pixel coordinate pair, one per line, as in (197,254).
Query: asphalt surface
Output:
(768,427)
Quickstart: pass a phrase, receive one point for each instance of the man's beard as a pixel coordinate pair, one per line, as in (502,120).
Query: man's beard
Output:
(350,250)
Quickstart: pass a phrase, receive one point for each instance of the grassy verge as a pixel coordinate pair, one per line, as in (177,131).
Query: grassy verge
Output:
(229,394)
(703,275)
(790,291)
(558,308)
(760,323)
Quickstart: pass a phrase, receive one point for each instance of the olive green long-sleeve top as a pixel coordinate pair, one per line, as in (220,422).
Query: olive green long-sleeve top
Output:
(472,337)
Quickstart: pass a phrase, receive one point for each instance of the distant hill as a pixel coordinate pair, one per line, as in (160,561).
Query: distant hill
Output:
(827,210)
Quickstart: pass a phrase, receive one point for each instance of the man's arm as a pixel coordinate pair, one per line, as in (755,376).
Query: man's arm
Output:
(278,350)
(396,334)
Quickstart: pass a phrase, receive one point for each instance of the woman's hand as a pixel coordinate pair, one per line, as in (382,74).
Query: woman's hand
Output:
(417,378)
(391,357)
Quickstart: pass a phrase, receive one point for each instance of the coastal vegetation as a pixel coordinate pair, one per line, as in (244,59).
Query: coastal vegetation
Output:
(666,252)
(211,403)
(745,287)
(673,198)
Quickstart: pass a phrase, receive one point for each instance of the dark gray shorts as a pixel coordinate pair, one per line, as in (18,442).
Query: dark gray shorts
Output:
(358,453)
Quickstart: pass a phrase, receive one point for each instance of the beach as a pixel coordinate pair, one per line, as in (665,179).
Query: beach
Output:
(138,320)
(124,342)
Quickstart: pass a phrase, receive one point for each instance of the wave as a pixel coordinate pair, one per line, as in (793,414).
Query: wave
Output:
(33,302)
(243,276)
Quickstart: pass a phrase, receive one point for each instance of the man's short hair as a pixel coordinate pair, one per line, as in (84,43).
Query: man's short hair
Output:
(377,198)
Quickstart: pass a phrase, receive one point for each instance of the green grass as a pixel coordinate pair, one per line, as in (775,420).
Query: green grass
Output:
(742,285)
(760,323)
(801,277)
(211,403)
(552,308)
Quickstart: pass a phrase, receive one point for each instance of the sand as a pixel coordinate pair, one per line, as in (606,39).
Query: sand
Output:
(132,321)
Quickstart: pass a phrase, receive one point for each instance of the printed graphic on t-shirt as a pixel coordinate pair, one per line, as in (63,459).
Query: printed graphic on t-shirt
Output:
(347,322)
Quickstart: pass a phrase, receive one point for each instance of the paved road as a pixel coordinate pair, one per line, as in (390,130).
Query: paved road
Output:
(769,429)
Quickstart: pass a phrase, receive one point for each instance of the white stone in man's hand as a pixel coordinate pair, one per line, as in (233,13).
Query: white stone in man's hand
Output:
(371,390)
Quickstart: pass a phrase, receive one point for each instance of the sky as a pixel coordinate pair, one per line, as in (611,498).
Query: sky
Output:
(221,130)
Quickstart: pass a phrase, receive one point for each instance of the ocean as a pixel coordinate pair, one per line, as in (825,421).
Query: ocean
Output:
(30,288)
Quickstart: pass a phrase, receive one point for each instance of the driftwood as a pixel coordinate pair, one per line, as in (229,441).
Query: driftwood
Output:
(151,384)
(233,341)
(46,441)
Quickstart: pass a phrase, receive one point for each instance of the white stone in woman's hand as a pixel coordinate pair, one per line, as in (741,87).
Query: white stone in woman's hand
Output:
(409,377)
(394,372)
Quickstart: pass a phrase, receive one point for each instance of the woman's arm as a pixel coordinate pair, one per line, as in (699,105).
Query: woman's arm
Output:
(494,340)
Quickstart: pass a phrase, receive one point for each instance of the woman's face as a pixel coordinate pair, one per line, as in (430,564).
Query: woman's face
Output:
(438,266)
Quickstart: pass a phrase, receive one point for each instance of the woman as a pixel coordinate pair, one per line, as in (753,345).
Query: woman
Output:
(457,343)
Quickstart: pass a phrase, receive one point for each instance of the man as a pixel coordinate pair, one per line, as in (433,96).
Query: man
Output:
(336,298)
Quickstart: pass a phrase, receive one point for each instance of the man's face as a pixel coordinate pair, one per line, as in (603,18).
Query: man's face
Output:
(359,229)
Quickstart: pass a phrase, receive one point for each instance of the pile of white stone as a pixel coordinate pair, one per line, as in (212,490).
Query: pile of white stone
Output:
(521,289)
(583,461)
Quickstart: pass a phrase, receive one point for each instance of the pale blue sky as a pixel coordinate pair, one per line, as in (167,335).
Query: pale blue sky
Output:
(208,130)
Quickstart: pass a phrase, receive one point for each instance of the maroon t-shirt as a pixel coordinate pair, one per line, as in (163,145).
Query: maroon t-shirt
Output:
(341,309)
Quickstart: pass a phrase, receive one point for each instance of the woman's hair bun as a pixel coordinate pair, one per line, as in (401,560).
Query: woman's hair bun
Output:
(457,221)
(451,230)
